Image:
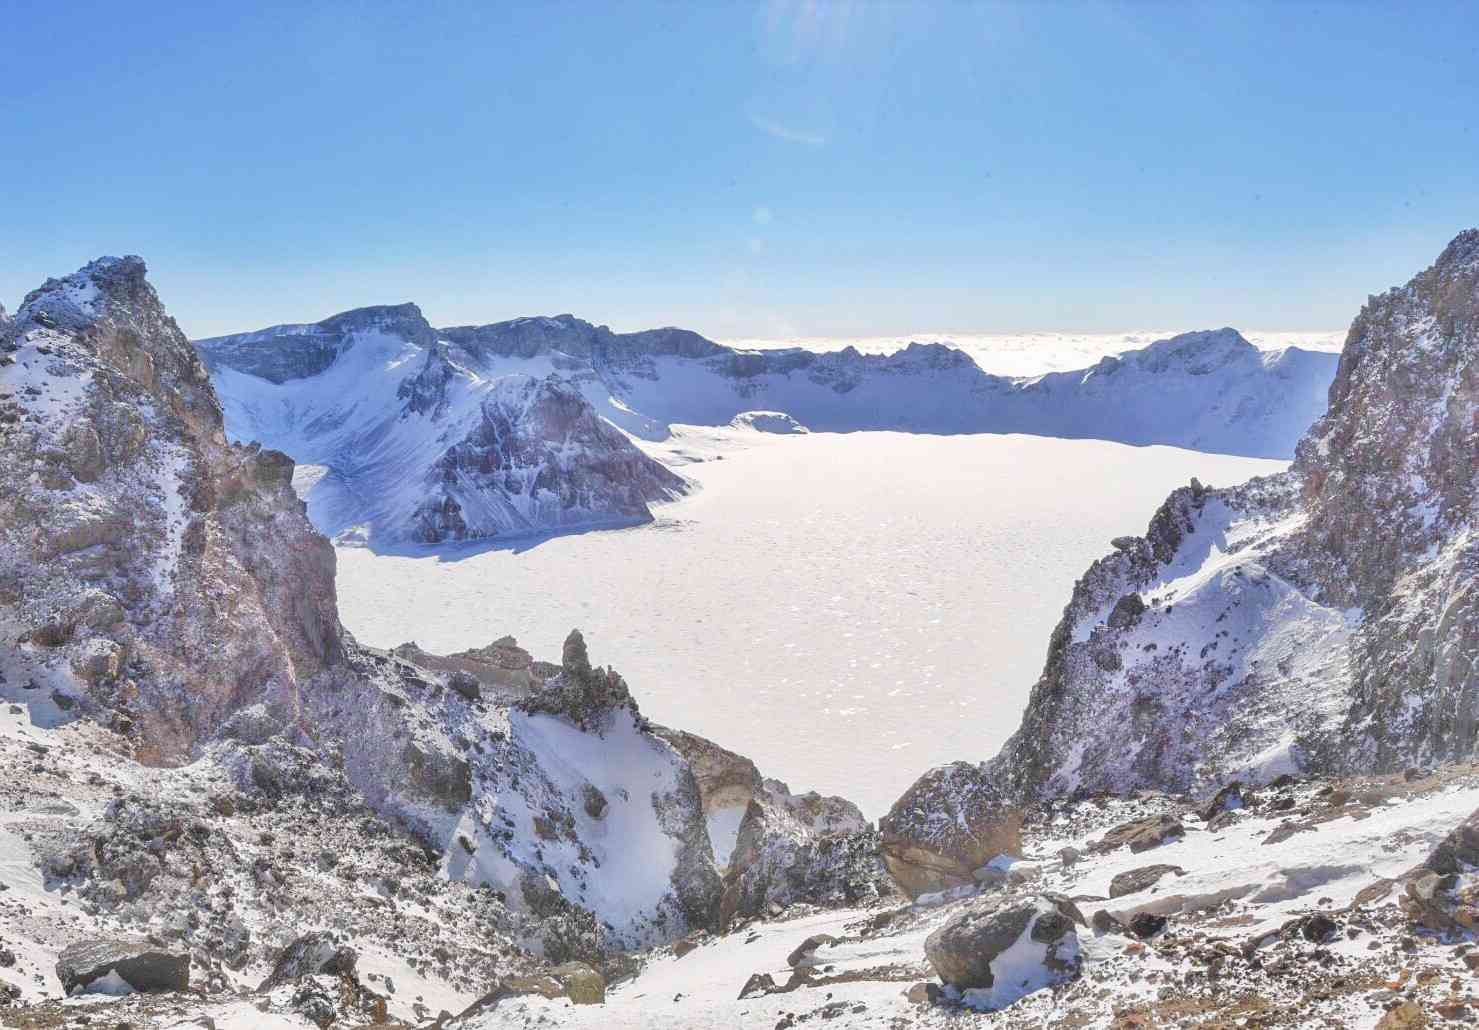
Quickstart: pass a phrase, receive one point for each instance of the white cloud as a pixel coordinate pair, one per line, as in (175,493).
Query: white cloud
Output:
(784,132)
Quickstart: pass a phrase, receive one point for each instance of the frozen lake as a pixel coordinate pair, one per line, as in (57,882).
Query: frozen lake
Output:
(847,610)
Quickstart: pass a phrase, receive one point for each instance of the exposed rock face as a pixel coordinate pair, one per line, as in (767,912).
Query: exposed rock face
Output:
(160,561)
(1323,619)
(775,848)
(951,822)
(538,456)
(287,352)
(412,437)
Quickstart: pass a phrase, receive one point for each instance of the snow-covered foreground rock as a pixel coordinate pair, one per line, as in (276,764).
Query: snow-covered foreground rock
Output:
(405,432)
(1325,618)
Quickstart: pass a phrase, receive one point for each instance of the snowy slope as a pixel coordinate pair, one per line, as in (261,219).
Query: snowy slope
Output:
(396,439)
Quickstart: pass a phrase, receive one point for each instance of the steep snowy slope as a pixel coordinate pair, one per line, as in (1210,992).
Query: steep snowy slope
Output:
(1325,618)
(398,439)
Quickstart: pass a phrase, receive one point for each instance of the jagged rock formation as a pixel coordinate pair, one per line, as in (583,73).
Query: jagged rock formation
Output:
(1326,618)
(154,570)
(402,436)
(538,456)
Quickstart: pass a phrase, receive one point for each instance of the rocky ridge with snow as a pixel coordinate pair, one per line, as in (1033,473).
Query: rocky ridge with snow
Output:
(199,757)
(1208,390)
(1323,619)
(400,438)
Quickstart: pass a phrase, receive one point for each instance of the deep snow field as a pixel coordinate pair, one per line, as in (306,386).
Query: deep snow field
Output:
(1033,353)
(846,610)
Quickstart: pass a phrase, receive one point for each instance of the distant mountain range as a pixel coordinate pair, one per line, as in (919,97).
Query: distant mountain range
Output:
(410,432)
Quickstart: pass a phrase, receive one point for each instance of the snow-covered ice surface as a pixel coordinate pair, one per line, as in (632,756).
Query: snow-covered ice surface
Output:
(1033,353)
(846,610)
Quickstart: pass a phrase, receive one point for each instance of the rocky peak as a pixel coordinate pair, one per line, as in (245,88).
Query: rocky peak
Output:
(127,519)
(109,308)
(540,445)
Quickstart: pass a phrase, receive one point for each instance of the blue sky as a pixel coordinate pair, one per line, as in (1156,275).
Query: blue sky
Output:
(771,169)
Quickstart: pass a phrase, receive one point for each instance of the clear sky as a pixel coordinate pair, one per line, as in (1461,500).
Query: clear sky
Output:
(744,170)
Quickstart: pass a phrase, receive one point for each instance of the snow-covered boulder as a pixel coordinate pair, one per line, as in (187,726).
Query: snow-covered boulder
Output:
(768,422)
(140,965)
(998,951)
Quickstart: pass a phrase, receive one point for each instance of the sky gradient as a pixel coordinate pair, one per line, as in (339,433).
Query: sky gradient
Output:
(744,170)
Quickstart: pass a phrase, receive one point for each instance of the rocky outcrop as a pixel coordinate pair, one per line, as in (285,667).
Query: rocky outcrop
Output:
(154,558)
(1322,619)
(950,823)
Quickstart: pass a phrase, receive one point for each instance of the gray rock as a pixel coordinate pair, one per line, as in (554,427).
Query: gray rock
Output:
(1133,881)
(310,955)
(962,950)
(144,966)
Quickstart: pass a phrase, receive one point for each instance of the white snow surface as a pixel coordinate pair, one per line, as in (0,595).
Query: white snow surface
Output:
(886,596)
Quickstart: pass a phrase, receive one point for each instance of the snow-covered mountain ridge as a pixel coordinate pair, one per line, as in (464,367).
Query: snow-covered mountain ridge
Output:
(399,438)
(373,404)
(1326,618)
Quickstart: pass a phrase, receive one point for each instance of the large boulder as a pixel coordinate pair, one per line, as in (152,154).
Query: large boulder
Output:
(945,827)
(141,965)
(1010,948)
